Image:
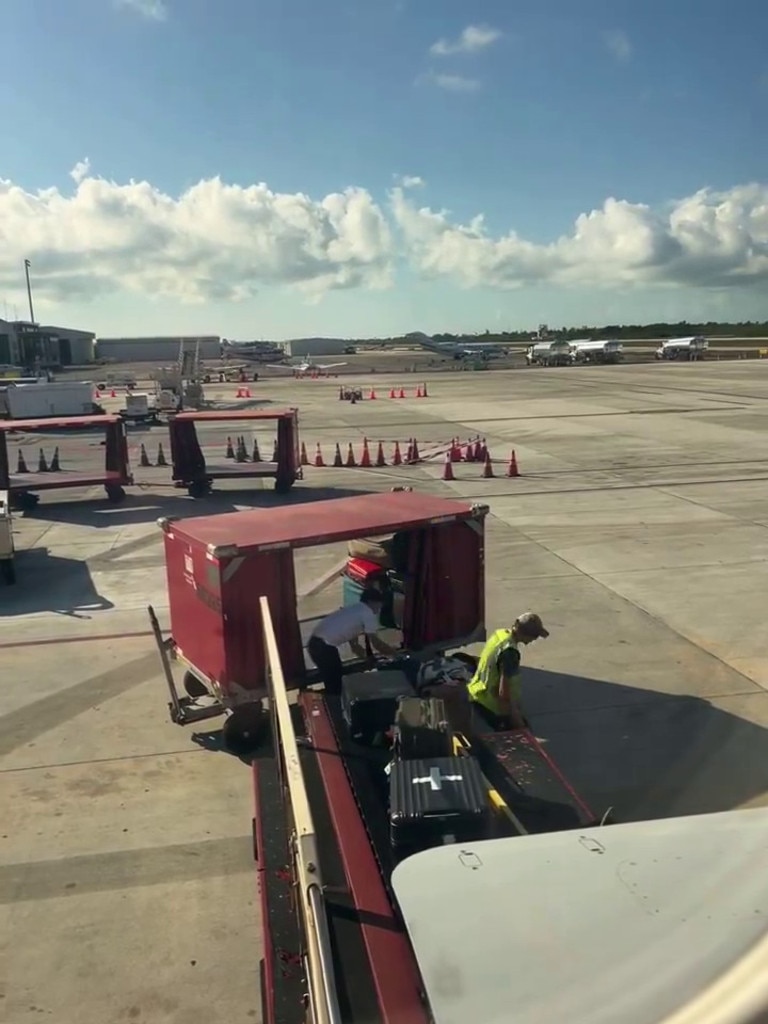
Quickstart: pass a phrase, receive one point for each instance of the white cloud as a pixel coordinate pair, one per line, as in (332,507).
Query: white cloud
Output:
(152,10)
(215,241)
(618,44)
(409,181)
(472,39)
(226,242)
(453,83)
(710,239)
(81,170)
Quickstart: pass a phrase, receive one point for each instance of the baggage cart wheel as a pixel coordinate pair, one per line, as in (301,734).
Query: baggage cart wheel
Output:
(8,570)
(115,493)
(282,486)
(194,686)
(199,489)
(245,729)
(24,501)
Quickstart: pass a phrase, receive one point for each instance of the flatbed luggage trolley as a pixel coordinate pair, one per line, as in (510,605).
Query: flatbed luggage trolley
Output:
(114,477)
(219,566)
(192,470)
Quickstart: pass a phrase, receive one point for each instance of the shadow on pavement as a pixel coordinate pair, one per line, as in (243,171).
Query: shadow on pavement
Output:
(644,753)
(146,507)
(49,583)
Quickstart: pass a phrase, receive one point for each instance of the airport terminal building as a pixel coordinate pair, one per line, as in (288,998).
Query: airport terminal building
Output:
(155,350)
(26,344)
(313,347)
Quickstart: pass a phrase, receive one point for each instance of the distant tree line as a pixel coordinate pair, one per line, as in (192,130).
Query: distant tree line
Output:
(682,329)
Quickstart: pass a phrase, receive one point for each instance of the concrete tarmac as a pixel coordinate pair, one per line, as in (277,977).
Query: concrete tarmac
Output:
(638,530)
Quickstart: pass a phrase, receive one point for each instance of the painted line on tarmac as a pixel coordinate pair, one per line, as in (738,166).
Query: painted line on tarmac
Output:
(52,641)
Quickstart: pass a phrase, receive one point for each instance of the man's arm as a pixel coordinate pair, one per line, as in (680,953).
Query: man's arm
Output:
(385,649)
(509,688)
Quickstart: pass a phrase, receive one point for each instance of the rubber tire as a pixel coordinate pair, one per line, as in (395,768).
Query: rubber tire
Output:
(194,687)
(199,489)
(245,729)
(8,570)
(25,501)
(116,495)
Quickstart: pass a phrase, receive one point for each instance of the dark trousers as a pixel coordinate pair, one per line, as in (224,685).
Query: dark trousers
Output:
(327,660)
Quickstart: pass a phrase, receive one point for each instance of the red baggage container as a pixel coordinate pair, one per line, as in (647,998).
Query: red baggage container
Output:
(364,572)
(218,567)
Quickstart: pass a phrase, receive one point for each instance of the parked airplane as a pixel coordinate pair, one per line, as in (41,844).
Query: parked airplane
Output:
(469,350)
(252,351)
(304,367)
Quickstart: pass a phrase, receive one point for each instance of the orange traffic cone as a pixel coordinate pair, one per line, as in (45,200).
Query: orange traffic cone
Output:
(380,460)
(319,461)
(256,456)
(418,391)
(424,390)
(97,393)
(415,457)
(113,393)
(455,452)
(448,469)
(372,394)
(392,393)
(478,452)
(350,457)
(338,462)
(230,450)
(401,393)
(365,461)
(488,467)
(397,458)
(304,460)
(469,453)
(409,451)
(512,469)
(275,452)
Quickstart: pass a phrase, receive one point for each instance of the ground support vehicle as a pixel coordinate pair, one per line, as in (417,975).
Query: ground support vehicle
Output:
(139,408)
(683,349)
(7,568)
(548,353)
(116,475)
(336,948)
(193,471)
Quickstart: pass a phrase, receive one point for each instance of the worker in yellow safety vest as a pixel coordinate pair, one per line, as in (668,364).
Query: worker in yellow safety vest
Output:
(495,687)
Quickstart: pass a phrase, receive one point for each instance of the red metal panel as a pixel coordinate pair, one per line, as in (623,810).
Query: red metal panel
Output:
(393,966)
(222,415)
(323,522)
(194,597)
(243,581)
(73,422)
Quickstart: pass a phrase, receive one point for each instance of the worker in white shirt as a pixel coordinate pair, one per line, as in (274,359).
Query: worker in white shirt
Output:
(347,625)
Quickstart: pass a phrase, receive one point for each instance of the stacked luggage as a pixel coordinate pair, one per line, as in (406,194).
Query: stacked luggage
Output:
(435,797)
(380,564)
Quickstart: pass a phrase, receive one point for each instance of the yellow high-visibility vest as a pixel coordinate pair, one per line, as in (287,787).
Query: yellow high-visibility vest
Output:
(483,688)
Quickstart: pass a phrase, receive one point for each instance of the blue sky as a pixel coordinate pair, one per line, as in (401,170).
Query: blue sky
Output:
(540,115)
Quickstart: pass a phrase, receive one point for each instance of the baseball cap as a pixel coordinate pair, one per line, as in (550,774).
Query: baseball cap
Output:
(530,623)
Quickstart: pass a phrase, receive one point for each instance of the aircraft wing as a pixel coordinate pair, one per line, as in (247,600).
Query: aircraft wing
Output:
(329,366)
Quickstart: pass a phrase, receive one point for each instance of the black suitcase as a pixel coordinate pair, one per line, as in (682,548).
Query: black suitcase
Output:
(422,731)
(435,802)
(369,702)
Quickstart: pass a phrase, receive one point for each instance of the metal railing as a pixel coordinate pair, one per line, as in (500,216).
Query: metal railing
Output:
(309,882)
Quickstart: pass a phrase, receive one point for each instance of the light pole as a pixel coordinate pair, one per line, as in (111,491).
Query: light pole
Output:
(29,292)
